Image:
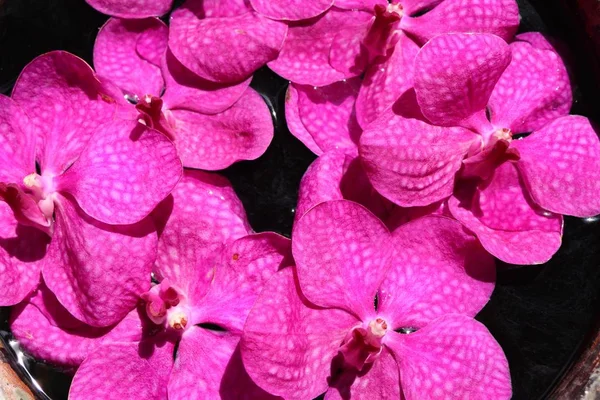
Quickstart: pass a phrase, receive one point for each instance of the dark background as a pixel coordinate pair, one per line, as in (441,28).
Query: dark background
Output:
(539,314)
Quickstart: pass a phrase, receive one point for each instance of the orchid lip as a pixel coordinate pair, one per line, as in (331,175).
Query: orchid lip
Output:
(42,189)
(363,345)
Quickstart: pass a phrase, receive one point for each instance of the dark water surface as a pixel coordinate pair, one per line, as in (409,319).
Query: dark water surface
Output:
(539,314)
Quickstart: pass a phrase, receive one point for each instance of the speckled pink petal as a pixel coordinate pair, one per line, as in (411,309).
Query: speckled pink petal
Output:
(21,250)
(240,275)
(454,356)
(411,162)
(304,58)
(187,91)
(86,258)
(291,10)
(132,8)
(252,41)
(24,207)
(536,39)
(213,142)
(385,81)
(532,91)
(118,371)
(381,381)
(438,268)
(560,165)
(342,252)
(288,344)
(117,54)
(61,339)
(79,104)
(348,53)
(455,75)
(508,224)
(328,114)
(295,124)
(365,5)
(203,213)
(498,17)
(17,141)
(123,174)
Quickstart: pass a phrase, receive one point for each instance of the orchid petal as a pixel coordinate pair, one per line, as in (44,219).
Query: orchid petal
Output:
(123,174)
(455,75)
(437,269)
(336,237)
(79,104)
(560,165)
(453,356)
(533,90)
(288,344)
(213,142)
(348,53)
(364,5)
(295,124)
(85,260)
(498,17)
(17,141)
(252,41)
(117,54)
(124,371)
(291,10)
(411,162)
(132,8)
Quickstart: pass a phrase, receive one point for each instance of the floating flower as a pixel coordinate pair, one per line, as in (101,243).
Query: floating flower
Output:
(132,8)
(511,189)
(353,35)
(212,125)
(84,182)
(223,42)
(374,315)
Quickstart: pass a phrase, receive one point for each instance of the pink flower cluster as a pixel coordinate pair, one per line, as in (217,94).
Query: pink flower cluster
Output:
(444,141)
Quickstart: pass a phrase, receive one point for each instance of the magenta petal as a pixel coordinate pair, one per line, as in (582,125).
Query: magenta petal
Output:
(328,114)
(365,5)
(21,250)
(295,124)
(117,54)
(86,258)
(17,141)
(117,371)
(252,41)
(123,174)
(304,58)
(348,53)
(454,356)
(203,214)
(336,237)
(411,162)
(213,142)
(79,104)
(381,381)
(244,268)
(437,269)
(560,165)
(385,81)
(498,17)
(532,91)
(455,75)
(132,8)
(291,10)
(506,221)
(187,91)
(48,332)
(288,344)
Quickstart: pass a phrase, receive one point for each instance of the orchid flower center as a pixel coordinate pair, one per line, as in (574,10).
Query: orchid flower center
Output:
(382,34)
(503,134)
(363,344)
(41,188)
(153,114)
(166,306)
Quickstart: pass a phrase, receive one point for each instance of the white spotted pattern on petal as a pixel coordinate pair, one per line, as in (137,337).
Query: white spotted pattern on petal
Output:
(132,8)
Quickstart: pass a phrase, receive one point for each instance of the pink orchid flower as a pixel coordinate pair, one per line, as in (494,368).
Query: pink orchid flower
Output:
(132,8)
(210,269)
(345,40)
(511,191)
(77,185)
(368,314)
(212,125)
(224,41)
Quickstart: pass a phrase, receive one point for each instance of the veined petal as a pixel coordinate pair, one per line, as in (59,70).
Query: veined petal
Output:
(17,141)
(132,8)
(295,124)
(291,10)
